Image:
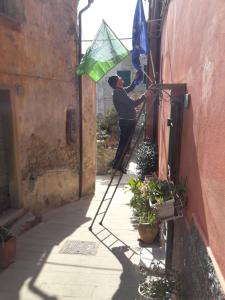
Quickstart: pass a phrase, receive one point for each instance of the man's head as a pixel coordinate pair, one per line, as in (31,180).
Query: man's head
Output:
(112,81)
(115,82)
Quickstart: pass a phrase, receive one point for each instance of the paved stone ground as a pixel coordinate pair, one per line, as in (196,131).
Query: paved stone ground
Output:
(110,272)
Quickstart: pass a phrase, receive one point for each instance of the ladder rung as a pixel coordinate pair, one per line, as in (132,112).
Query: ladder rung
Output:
(106,237)
(101,213)
(106,199)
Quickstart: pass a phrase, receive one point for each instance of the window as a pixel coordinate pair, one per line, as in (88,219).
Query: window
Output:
(126,76)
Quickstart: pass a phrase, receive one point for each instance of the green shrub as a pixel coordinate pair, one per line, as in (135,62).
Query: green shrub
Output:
(5,234)
(107,124)
(147,159)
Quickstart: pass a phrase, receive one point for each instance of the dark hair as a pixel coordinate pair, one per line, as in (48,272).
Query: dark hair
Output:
(112,81)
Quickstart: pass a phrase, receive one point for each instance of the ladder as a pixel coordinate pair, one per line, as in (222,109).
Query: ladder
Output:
(108,198)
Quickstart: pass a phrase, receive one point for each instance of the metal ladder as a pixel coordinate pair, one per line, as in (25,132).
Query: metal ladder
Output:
(106,198)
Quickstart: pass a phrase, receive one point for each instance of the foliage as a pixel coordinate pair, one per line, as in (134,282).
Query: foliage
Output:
(140,203)
(107,124)
(147,159)
(5,234)
(160,190)
(160,287)
(156,190)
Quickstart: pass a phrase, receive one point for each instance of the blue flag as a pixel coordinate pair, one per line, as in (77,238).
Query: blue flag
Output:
(139,39)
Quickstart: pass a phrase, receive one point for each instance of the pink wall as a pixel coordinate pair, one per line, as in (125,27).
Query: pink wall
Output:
(193,47)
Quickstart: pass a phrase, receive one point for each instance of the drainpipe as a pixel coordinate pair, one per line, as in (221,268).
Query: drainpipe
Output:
(80,97)
(156,15)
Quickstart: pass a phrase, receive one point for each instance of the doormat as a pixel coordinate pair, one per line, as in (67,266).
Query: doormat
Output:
(79,247)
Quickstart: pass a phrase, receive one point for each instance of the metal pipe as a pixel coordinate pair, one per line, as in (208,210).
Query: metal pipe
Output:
(80,97)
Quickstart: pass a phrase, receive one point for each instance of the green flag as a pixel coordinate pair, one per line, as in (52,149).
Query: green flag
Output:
(105,53)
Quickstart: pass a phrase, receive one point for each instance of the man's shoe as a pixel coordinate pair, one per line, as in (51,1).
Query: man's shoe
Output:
(123,170)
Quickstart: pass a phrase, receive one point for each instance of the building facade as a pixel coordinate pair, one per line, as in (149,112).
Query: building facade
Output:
(191,34)
(40,111)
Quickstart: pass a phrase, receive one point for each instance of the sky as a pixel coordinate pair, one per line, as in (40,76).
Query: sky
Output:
(118,14)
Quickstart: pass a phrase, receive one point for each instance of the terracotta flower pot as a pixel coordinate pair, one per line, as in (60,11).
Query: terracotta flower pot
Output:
(7,252)
(147,233)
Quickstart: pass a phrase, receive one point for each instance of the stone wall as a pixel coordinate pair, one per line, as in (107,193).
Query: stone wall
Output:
(190,258)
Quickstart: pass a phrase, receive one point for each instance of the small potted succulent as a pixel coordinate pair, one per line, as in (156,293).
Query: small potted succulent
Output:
(7,247)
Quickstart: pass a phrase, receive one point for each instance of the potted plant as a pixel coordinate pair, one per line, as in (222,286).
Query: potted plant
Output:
(166,197)
(146,217)
(163,285)
(161,197)
(7,247)
(148,226)
(158,287)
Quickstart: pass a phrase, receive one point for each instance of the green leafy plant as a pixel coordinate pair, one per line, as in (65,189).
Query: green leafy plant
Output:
(107,124)
(161,286)
(147,159)
(160,190)
(180,192)
(5,234)
(149,196)
(158,288)
(140,203)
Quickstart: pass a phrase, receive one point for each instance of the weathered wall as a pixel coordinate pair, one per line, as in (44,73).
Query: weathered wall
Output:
(38,59)
(193,44)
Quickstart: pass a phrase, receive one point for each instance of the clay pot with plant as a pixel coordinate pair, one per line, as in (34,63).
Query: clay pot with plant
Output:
(7,247)
(145,216)
(162,285)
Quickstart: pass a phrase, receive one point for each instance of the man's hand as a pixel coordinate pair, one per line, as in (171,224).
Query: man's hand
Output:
(138,75)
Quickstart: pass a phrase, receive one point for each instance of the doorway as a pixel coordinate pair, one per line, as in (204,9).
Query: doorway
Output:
(6,152)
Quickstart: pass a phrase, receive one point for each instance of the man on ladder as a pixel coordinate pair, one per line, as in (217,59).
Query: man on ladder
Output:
(125,107)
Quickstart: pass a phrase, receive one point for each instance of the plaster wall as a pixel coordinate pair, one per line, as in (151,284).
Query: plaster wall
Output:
(192,52)
(38,58)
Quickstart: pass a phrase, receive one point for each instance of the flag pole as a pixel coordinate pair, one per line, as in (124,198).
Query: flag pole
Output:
(151,81)
(153,68)
(103,21)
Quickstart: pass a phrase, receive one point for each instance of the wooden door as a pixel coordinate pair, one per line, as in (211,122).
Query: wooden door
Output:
(5,149)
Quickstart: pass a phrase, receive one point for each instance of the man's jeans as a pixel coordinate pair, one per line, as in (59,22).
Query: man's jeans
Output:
(126,131)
